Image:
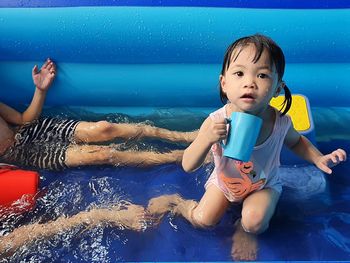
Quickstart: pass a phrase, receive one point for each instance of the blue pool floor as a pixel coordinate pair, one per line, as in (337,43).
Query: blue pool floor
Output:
(314,228)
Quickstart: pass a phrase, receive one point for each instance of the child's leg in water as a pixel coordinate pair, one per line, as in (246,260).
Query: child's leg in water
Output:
(78,155)
(103,131)
(206,213)
(257,210)
(131,217)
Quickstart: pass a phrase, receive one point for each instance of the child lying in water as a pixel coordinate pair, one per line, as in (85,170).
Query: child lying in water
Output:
(53,143)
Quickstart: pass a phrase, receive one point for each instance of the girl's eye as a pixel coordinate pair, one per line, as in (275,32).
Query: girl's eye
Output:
(238,73)
(263,76)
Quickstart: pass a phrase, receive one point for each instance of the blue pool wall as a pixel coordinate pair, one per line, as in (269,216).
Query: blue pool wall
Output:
(143,54)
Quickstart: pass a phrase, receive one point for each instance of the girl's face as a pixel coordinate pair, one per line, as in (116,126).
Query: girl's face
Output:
(250,86)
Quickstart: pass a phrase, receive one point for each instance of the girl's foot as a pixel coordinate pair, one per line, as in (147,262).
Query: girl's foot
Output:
(244,246)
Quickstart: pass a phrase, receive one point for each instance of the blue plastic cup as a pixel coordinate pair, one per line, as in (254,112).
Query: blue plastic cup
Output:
(242,135)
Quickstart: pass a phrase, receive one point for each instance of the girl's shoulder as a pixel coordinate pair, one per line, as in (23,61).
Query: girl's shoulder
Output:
(282,120)
(218,114)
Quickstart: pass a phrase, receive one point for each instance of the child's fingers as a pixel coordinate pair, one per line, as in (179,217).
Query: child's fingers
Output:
(221,121)
(46,63)
(219,125)
(325,168)
(220,137)
(221,132)
(337,156)
(53,71)
(35,70)
(341,154)
(53,65)
(50,66)
(334,158)
(220,128)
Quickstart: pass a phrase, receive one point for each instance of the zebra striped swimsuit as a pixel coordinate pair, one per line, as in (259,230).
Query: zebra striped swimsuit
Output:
(42,144)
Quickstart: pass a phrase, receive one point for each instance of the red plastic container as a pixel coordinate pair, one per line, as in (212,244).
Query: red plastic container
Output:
(18,189)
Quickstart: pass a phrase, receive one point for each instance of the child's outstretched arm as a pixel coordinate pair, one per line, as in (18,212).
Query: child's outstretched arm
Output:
(209,133)
(42,80)
(301,146)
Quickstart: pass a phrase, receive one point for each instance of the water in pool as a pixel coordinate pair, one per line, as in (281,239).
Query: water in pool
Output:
(305,226)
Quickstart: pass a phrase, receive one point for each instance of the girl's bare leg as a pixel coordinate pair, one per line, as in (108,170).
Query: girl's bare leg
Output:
(79,155)
(103,131)
(258,209)
(131,217)
(206,213)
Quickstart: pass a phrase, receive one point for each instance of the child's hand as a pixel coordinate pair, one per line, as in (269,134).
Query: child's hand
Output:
(215,131)
(43,78)
(328,161)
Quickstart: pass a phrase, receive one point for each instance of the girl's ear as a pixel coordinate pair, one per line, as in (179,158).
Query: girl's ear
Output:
(222,83)
(280,87)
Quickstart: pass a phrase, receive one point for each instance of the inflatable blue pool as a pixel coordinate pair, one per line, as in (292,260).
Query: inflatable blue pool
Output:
(158,62)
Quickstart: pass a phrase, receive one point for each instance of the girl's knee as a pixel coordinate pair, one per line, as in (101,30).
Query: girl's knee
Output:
(254,221)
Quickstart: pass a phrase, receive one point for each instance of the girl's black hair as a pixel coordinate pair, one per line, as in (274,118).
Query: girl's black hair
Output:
(261,43)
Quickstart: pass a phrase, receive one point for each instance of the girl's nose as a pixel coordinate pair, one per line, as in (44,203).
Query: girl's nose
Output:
(249,83)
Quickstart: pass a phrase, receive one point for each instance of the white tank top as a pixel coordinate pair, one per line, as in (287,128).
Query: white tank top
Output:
(238,179)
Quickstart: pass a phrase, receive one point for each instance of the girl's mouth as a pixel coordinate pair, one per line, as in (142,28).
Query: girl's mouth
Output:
(248,97)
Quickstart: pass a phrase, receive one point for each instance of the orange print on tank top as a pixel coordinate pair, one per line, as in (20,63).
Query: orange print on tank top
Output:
(241,187)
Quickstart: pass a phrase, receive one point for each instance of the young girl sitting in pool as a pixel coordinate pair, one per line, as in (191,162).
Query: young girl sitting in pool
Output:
(252,73)
(53,143)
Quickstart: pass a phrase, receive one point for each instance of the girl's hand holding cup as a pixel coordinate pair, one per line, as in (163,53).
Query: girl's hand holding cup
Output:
(214,131)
